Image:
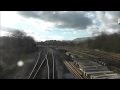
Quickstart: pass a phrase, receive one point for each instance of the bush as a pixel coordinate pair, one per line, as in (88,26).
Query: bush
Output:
(18,42)
(110,43)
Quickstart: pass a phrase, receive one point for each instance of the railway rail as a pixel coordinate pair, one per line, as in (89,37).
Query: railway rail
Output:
(43,60)
(101,57)
(75,71)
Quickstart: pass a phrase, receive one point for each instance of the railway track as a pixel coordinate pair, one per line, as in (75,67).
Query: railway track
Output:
(44,60)
(99,56)
(74,70)
(104,59)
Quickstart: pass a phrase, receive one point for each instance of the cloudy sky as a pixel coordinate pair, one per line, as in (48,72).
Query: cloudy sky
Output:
(59,25)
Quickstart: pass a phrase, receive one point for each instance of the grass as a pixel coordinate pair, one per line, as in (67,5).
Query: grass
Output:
(8,64)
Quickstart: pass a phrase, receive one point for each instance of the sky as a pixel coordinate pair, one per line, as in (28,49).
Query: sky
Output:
(59,25)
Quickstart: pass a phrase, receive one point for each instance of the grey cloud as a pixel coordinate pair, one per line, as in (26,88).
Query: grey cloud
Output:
(29,14)
(103,17)
(113,26)
(109,19)
(78,19)
(6,29)
(70,19)
(115,14)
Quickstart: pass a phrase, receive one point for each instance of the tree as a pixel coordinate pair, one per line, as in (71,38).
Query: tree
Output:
(19,42)
(110,43)
(18,34)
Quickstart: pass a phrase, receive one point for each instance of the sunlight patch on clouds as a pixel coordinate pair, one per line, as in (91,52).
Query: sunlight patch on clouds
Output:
(111,31)
(74,32)
(3,33)
(39,24)
(10,19)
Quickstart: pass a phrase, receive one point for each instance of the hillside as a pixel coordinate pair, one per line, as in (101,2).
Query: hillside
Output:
(82,39)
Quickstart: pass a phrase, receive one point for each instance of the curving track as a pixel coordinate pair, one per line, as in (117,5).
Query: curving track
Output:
(45,62)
